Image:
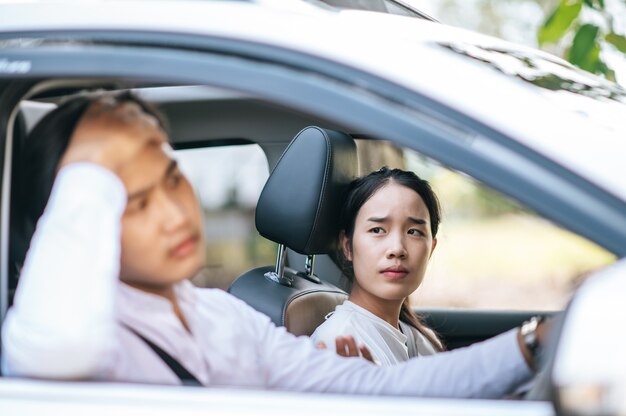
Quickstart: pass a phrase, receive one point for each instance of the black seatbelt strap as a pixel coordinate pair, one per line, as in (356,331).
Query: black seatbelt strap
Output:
(183,374)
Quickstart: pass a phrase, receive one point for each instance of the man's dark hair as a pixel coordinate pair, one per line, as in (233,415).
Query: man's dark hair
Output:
(36,165)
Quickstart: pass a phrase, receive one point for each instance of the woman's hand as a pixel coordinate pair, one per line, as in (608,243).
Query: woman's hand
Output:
(111,134)
(346,347)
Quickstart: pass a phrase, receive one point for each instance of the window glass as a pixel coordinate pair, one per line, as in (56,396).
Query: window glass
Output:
(492,253)
(395,8)
(384,6)
(228,181)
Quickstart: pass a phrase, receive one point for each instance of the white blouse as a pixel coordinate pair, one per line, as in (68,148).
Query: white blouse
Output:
(66,321)
(388,345)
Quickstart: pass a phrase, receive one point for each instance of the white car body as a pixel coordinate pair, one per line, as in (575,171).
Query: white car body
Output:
(418,56)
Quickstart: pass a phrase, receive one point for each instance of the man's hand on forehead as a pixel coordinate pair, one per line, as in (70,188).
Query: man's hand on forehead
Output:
(111,134)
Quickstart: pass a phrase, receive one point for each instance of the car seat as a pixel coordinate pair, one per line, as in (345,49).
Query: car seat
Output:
(299,209)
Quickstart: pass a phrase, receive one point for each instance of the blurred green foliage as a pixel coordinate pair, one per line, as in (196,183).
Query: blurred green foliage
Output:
(584,28)
(465,199)
(461,196)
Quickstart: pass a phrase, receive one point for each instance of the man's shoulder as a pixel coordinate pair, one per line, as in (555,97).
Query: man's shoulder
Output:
(206,294)
(223,303)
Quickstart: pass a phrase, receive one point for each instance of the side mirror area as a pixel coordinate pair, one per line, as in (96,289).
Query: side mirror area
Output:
(589,368)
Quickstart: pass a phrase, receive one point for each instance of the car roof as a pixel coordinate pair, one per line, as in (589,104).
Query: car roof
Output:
(529,96)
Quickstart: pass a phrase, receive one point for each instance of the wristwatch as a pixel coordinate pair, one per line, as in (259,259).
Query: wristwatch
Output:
(528,330)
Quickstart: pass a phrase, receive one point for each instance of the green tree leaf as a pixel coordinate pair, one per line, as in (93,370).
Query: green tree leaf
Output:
(596,65)
(595,4)
(619,41)
(584,50)
(559,22)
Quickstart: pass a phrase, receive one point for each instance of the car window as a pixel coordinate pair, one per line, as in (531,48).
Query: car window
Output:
(228,181)
(492,252)
(396,8)
(384,6)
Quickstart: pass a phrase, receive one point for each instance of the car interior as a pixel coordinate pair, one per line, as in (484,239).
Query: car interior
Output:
(316,168)
(281,238)
(296,209)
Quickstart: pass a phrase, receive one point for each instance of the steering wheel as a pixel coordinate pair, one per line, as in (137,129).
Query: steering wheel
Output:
(541,388)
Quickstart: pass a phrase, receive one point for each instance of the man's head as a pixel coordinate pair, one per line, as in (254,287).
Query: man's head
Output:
(162,239)
(161,227)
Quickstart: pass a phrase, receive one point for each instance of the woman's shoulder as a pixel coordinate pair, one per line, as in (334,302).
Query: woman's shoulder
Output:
(342,321)
(418,343)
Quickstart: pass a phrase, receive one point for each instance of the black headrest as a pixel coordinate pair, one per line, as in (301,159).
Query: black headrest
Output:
(301,201)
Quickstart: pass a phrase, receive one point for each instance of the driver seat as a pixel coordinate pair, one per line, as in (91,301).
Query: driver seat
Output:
(299,209)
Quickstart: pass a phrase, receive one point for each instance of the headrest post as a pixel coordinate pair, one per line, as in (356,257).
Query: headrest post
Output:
(278,276)
(280,260)
(309,265)
(309,272)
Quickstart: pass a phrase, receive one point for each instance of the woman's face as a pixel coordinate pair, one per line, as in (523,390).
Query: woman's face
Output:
(391,244)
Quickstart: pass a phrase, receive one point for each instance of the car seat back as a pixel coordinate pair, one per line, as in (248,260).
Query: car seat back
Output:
(299,208)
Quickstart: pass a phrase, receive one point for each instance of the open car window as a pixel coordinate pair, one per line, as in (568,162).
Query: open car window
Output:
(492,252)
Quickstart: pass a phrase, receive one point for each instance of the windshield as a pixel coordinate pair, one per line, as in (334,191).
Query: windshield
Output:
(543,71)
(381,6)
(597,148)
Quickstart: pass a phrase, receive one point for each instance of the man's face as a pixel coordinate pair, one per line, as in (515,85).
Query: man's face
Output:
(162,239)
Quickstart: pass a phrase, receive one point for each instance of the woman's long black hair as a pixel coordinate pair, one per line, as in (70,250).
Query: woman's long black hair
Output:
(359,192)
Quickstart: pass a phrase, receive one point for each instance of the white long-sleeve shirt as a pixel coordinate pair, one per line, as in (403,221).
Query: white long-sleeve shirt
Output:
(388,345)
(66,321)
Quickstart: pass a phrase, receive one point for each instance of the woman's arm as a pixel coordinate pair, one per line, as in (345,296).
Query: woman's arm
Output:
(62,322)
